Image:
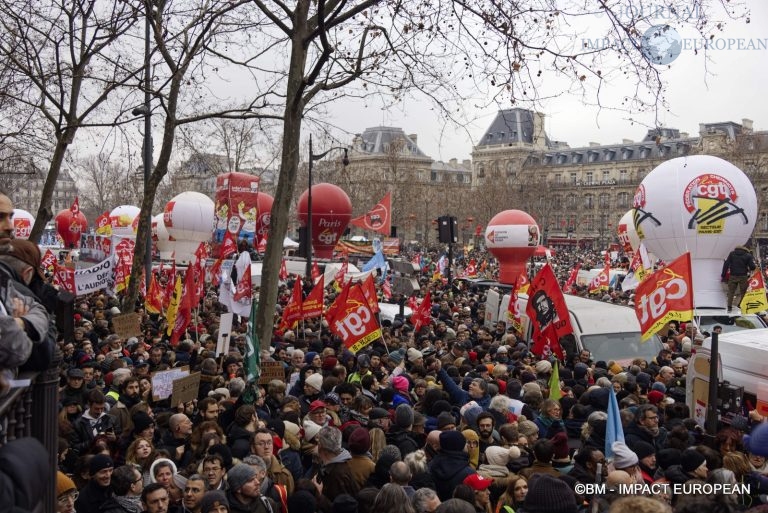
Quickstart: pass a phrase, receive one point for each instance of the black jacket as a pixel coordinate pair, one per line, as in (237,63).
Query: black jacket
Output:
(740,262)
(449,469)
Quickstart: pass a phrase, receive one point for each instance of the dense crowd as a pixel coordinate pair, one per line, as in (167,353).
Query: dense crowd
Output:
(457,417)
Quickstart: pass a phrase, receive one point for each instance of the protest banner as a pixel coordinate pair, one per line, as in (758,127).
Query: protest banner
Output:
(185,389)
(162,382)
(127,325)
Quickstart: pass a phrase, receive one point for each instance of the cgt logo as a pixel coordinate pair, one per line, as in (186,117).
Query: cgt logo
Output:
(491,236)
(655,304)
(327,237)
(355,323)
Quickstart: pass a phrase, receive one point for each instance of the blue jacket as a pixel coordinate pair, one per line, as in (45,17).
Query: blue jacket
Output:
(459,396)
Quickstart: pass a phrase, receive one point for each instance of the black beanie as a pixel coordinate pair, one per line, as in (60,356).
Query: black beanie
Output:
(141,421)
(403,416)
(691,459)
(666,458)
(99,462)
(547,494)
(643,449)
(344,504)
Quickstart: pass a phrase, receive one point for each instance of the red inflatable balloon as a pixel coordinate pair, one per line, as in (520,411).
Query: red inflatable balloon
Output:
(331,212)
(512,236)
(69,225)
(264,208)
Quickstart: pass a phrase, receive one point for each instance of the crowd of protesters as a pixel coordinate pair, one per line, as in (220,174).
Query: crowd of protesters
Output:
(456,418)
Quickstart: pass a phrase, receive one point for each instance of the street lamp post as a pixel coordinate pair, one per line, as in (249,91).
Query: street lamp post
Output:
(312,159)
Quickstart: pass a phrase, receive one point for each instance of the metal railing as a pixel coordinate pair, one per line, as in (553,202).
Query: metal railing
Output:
(31,411)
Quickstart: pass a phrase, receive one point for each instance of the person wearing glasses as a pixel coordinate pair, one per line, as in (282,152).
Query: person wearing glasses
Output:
(66,493)
(646,428)
(263,446)
(127,484)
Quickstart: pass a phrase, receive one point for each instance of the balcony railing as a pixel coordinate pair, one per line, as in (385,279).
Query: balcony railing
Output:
(31,411)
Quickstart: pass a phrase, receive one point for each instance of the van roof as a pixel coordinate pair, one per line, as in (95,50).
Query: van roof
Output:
(592,313)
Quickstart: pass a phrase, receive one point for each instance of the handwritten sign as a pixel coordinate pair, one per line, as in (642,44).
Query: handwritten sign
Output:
(270,371)
(185,389)
(127,325)
(162,382)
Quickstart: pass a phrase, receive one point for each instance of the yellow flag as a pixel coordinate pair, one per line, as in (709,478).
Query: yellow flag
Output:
(554,383)
(173,308)
(754,299)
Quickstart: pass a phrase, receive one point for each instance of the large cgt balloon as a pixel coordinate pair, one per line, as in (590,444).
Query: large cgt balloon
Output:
(512,236)
(628,237)
(22,223)
(701,204)
(69,226)
(122,219)
(165,245)
(188,218)
(331,212)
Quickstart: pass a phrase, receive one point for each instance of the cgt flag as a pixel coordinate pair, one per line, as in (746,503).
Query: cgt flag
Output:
(313,304)
(422,314)
(754,299)
(548,313)
(571,281)
(513,310)
(600,283)
(666,295)
(354,322)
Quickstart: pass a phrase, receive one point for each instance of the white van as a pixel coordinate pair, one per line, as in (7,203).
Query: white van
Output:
(608,331)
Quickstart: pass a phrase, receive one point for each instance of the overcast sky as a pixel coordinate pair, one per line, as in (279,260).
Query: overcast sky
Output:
(730,86)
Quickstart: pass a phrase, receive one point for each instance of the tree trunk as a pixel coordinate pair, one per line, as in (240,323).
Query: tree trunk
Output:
(289,165)
(44,212)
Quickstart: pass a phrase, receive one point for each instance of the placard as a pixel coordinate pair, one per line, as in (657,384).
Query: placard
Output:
(127,325)
(225,333)
(162,382)
(270,371)
(185,389)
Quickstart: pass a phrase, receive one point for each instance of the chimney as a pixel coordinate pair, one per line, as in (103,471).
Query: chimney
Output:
(702,128)
(414,138)
(746,124)
(466,164)
(539,135)
(593,144)
(684,135)
(453,162)
(627,141)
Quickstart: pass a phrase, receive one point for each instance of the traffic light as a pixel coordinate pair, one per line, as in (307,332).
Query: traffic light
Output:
(448,229)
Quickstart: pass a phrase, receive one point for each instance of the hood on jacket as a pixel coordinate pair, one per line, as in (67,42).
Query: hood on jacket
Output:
(343,456)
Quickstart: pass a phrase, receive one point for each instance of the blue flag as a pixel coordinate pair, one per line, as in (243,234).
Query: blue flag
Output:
(614,432)
(376,262)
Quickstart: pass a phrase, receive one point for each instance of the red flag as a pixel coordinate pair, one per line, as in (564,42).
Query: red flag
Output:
(170,286)
(315,271)
(201,253)
(262,247)
(64,277)
(339,276)
(354,322)
(75,208)
(243,287)
(422,315)
(568,287)
(513,310)
(283,271)
(548,313)
(412,303)
(216,272)
(228,245)
(664,296)
(386,289)
(292,311)
(369,290)
(471,270)
(601,281)
(338,302)
(48,260)
(379,218)
(122,272)
(104,225)
(523,283)
(313,303)
(154,301)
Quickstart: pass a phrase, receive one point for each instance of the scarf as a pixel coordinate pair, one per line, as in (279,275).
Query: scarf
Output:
(473,451)
(132,504)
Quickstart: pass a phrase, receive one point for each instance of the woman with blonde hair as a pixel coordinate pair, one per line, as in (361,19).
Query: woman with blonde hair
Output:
(378,442)
(141,453)
(392,499)
(514,496)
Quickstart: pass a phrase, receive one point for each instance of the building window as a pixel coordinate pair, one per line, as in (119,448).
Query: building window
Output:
(558,178)
(604,200)
(588,181)
(571,201)
(433,176)
(623,175)
(622,200)
(573,178)
(589,201)
(511,170)
(589,222)
(576,158)
(606,176)
(593,156)
(501,135)
(481,171)
(557,202)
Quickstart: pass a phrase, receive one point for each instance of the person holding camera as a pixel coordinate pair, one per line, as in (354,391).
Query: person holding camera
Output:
(94,422)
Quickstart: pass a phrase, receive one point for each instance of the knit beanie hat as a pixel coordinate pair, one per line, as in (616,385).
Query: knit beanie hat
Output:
(359,441)
(100,462)
(622,456)
(547,494)
(141,421)
(643,449)
(691,459)
(655,397)
(344,503)
(63,484)
(666,458)
(471,415)
(543,367)
(213,499)
(302,500)
(403,416)
(315,381)
(239,475)
(311,429)
(497,455)
(414,354)
(657,385)
(400,384)
(452,441)
(445,419)
(757,441)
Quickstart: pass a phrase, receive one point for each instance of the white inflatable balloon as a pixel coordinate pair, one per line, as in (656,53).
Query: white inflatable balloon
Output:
(22,223)
(122,218)
(188,218)
(701,204)
(628,237)
(165,245)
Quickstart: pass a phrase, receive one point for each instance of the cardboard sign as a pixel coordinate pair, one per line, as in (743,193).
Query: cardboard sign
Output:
(127,325)
(185,389)
(162,382)
(270,371)
(225,333)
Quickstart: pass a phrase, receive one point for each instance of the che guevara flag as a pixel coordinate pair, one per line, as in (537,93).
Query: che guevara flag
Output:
(666,295)
(422,314)
(353,322)
(313,304)
(754,299)
(379,218)
(548,313)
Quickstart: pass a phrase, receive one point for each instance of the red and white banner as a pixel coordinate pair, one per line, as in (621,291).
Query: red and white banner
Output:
(600,283)
(378,219)
(754,299)
(548,313)
(283,274)
(666,295)
(568,287)
(354,322)
(84,281)
(513,311)
(293,310)
(369,290)
(48,260)
(313,304)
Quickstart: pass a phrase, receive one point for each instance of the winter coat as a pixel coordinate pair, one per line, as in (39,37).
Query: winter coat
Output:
(449,469)
(634,433)
(740,262)
(23,462)
(87,427)
(238,439)
(402,440)
(362,467)
(337,477)
(460,396)
(92,496)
